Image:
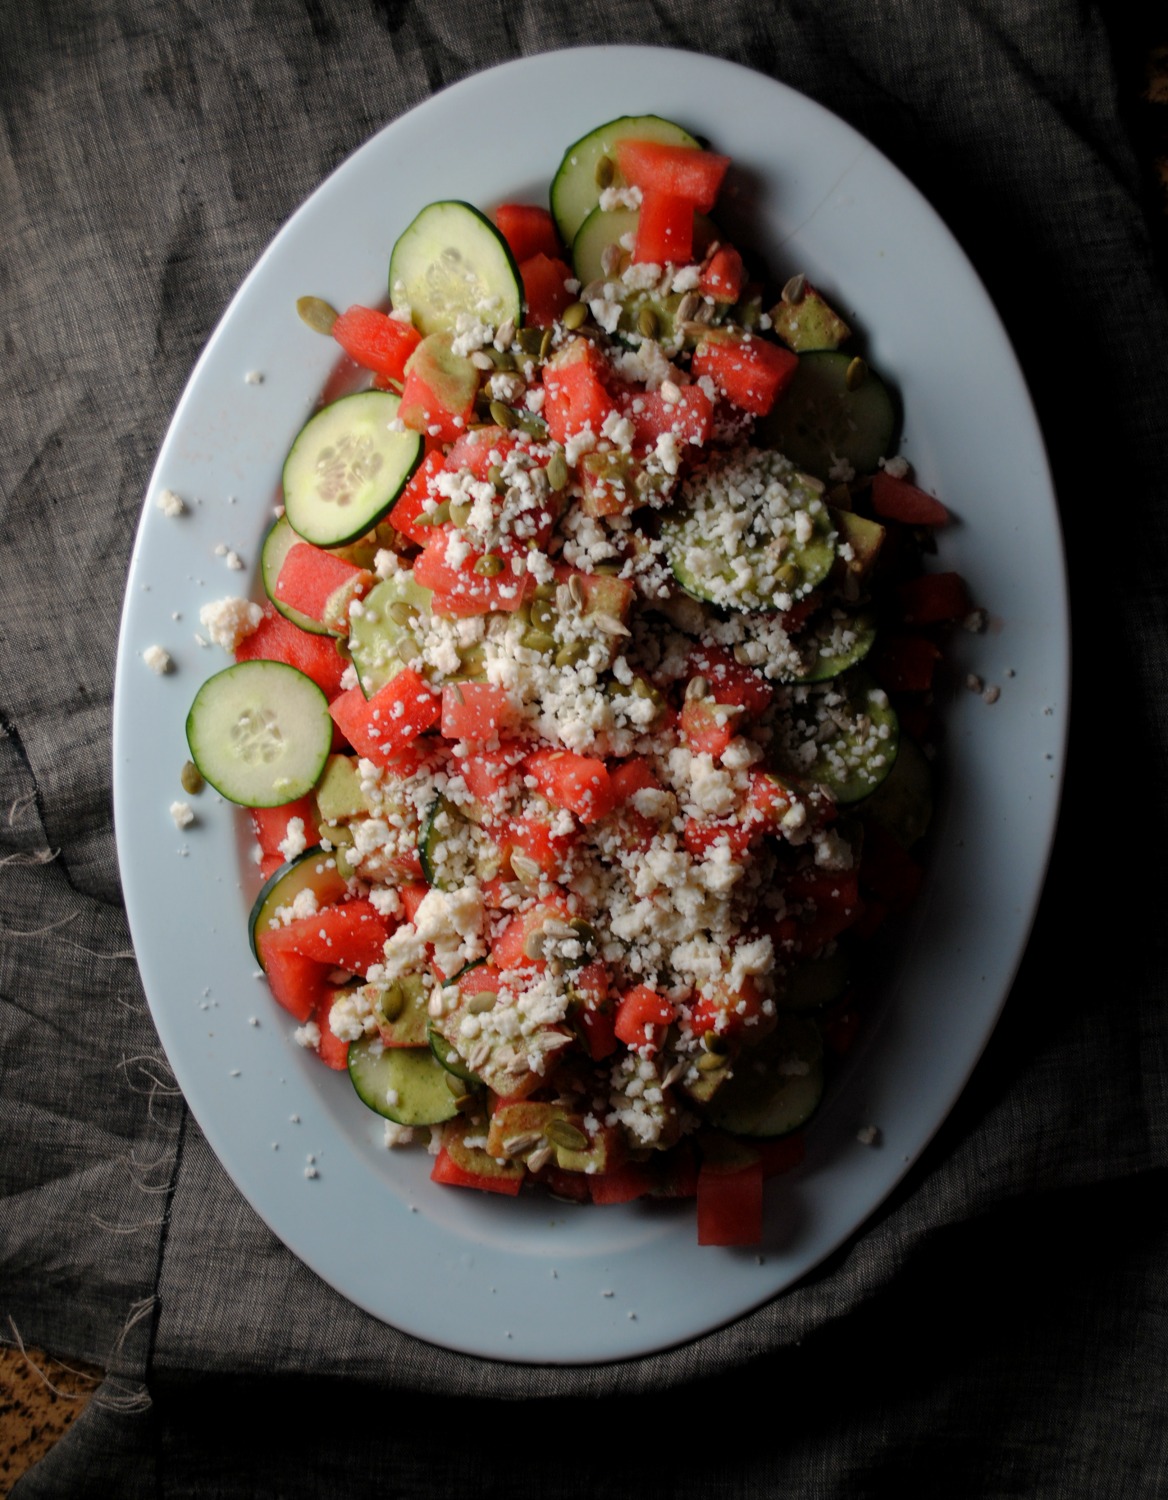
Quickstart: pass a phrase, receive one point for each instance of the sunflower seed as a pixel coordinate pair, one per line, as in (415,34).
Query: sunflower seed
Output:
(576,590)
(856,374)
(686,308)
(610,625)
(516,1145)
(539,1159)
(794,290)
(696,688)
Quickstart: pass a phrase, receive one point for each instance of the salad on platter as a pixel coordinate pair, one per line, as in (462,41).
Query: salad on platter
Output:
(586,725)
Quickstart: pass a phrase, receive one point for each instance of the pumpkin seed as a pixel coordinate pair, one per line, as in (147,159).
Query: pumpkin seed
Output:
(538,640)
(605,172)
(584,931)
(856,374)
(574,316)
(191,778)
(502,416)
(533,945)
(564,1133)
(569,655)
(530,339)
(402,613)
(788,575)
(317,313)
(647,323)
(391,1003)
(557,471)
(545,590)
(543,616)
(455,1084)
(713,1041)
(490,566)
(481,1002)
(710,1062)
(460,512)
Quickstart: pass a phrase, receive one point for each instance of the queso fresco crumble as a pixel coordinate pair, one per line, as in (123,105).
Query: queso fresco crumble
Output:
(581,724)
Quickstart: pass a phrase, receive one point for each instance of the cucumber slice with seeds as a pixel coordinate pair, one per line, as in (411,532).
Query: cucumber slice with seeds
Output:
(260,733)
(841,734)
(576,187)
(347,467)
(750,532)
(453,260)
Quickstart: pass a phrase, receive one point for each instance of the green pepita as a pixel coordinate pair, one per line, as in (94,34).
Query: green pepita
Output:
(569,655)
(856,374)
(557,471)
(317,313)
(647,323)
(605,172)
(564,1133)
(460,512)
(481,1001)
(490,566)
(502,416)
(574,316)
(191,778)
(709,1062)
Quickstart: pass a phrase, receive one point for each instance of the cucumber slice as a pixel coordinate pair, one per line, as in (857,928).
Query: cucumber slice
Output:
(841,734)
(819,421)
(453,260)
(903,802)
(315,870)
(446,1054)
(447,861)
(816,982)
(277,545)
(410,1077)
(383,637)
(833,642)
(260,733)
(776,1086)
(751,532)
(605,227)
(575,188)
(347,467)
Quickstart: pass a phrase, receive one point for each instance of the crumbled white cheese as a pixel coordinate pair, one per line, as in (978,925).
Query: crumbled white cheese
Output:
(229,621)
(157,659)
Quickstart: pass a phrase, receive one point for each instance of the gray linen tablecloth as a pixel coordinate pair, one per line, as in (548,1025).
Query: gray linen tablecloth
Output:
(999,1327)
